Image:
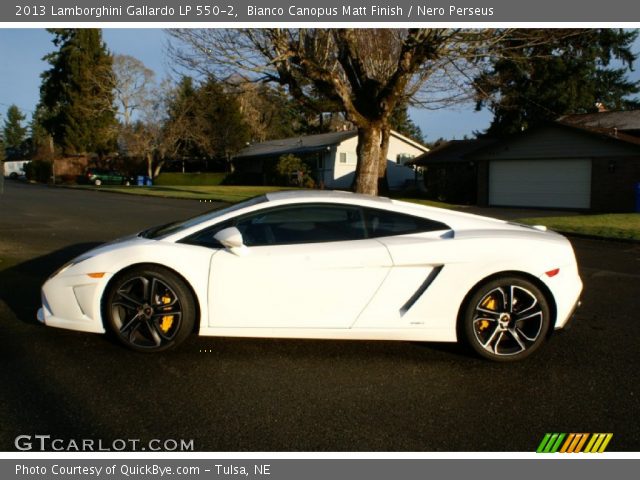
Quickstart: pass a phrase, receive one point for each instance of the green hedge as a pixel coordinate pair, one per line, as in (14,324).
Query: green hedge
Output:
(38,171)
(168,179)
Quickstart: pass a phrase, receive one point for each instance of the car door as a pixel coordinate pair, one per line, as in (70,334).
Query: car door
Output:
(304,266)
(419,248)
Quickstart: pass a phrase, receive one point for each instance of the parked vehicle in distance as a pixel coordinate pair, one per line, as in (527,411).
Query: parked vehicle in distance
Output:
(322,264)
(102,176)
(15,168)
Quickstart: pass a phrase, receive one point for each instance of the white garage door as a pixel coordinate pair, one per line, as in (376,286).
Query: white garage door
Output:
(540,183)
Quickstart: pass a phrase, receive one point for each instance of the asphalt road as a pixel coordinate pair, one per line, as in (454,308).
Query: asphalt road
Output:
(294,395)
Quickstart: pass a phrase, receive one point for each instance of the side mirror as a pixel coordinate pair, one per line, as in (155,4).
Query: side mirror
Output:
(231,239)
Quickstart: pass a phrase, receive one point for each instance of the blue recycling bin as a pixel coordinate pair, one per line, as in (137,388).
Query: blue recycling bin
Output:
(638,197)
(140,180)
(148,181)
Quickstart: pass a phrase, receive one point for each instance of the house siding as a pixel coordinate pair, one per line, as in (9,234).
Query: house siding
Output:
(343,173)
(613,182)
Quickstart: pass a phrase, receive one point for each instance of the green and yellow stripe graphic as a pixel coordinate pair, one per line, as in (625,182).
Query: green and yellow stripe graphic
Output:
(574,443)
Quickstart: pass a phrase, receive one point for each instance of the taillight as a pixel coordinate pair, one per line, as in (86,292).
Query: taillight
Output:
(552,273)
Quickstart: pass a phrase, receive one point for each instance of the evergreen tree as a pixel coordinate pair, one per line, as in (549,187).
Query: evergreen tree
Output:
(2,155)
(223,131)
(180,132)
(402,123)
(14,134)
(39,142)
(572,74)
(77,92)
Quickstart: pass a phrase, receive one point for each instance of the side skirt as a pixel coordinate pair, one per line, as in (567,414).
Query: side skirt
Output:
(406,334)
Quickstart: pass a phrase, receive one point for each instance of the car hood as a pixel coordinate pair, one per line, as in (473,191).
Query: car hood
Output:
(116,244)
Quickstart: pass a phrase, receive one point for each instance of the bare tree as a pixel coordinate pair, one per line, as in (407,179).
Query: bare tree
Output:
(133,86)
(365,72)
(146,138)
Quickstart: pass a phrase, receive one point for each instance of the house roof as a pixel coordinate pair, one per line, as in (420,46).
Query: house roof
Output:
(610,135)
(622,120)
(452,151)
(456,151)
(300,144)
(603,132)
(307,144)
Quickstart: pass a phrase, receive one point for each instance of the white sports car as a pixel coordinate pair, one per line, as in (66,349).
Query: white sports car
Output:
(320,264)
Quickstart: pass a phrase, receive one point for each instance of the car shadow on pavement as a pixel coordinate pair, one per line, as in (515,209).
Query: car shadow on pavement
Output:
(20,283)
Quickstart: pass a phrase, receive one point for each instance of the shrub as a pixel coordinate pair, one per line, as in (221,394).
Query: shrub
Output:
(38,171)
(293,172)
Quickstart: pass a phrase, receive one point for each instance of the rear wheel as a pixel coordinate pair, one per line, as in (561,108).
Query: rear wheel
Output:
(149,309)
(507,319)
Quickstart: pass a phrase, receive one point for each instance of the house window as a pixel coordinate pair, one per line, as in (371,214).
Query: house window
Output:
(403,158)
(343,157)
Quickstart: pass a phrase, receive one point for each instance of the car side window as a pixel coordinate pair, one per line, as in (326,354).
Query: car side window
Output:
(306,223)
(384,223)
(204,238)
(312,223)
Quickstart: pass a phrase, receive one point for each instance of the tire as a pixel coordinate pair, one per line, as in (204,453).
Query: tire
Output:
(506,319)
(149,309)
(97,182)
(13,175)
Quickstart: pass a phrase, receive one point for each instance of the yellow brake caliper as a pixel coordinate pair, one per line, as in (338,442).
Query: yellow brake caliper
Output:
(167,320)
(490,304)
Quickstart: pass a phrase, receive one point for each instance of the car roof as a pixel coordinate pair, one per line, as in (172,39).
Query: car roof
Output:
(324,195)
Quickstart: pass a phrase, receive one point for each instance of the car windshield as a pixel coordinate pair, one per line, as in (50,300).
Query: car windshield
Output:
(163,231)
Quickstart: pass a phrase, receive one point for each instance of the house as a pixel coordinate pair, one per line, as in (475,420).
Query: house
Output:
(572,163)
(330,156)
(449,176)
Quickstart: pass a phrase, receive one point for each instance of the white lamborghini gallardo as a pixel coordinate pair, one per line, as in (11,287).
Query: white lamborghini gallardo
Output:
(319,264)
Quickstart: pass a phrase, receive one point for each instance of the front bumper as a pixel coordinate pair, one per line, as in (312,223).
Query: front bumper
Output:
(72,302)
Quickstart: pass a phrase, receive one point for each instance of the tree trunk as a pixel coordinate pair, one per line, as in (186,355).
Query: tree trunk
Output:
(383,180)
(158,167)
(149,165)
(368,150)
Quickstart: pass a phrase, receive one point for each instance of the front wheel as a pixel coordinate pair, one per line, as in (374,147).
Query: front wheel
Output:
(149,309)
(507,319)
(97,182)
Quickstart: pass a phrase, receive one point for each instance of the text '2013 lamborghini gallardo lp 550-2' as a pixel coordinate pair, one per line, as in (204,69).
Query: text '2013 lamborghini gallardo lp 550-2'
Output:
(319,264)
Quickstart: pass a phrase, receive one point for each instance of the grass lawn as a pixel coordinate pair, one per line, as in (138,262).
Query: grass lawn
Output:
(191,179)
(231,194)
(611,225)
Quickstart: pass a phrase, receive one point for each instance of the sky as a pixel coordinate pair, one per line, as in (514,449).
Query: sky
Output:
(21,52)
